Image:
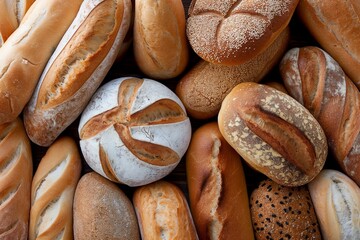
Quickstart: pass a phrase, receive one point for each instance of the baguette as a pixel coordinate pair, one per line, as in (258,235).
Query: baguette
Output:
(16,169)
(52,191)
(76,69)
(26,52)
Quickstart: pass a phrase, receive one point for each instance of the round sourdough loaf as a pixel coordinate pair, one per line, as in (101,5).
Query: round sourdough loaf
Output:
(273,133)
(134,131)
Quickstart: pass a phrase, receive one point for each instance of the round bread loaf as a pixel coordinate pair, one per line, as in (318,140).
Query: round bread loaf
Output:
(134,131)
(336,200)
(103,211)
(280,212)
(232,32)
(273,133)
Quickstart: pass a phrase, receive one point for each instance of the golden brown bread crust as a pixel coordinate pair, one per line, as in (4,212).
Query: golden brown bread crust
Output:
(338,32)
(273,133)
(160,45)
(232,32)
(163,212)
(217,188)
(25,53)
(204,87)
(52,191)
(317,81)
(15,180)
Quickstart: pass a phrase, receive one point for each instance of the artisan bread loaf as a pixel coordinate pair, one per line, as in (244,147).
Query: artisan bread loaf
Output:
(336,200)
(16,169)
(274,133)
(11,14)
(335,25)
(204,87)
(134,131)
(217,189)
(77,67)
(317,81)
(52,191)
(28,49)
(160,45)
(103,211)
(163,212)
(232,32)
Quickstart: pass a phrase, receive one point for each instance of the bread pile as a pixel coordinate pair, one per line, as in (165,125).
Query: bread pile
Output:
(169,119)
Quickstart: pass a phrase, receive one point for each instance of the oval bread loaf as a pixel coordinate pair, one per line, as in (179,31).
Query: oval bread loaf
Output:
(76,69)
(16,169)
(273,133)
(52,191)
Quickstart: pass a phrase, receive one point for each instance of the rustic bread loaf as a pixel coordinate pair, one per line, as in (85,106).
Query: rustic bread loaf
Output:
(76,68)
(217,189)
(317,81)
(16,169)
(52,191)
(274,133)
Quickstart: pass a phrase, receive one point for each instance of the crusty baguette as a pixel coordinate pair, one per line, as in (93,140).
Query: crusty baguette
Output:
(52,191)
(318,82)
(16,171)
(26,52)
(76,69)
(217,188)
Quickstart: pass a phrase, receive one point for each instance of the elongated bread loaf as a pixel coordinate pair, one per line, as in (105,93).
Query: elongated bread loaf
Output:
(52,191)
(16,170)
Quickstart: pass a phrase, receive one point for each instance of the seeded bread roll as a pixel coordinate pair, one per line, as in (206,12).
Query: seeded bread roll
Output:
(76,69)
(274,133)
(217,188)
(163,212)
(11,14)
(336,200)
(232,32)
(16,169)
(52,191)
(317,81)
(283,212)
(25,54)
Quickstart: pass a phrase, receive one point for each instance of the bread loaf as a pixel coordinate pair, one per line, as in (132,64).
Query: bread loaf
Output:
(273,133)
(52,191)
(232,32)
(11,14)
(77,68)
(103,211)
(204,87)
(335,24)
(336,200)
(16,169)
(28,49)
(217,188)
(134,131)
(160,45)
(163,213)
(317,81)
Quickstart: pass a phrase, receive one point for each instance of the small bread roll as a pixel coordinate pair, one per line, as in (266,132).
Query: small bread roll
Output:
(103,211)
(163,212)
(336,200)
(52,191)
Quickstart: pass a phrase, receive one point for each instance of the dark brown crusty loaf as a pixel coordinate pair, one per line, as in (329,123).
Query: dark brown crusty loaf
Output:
(280,212)
(273,133)
(77,67)
(335,24)
(28,49)
(217,189)
(204,87)
(317,81)
(232,32)
(16,169)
